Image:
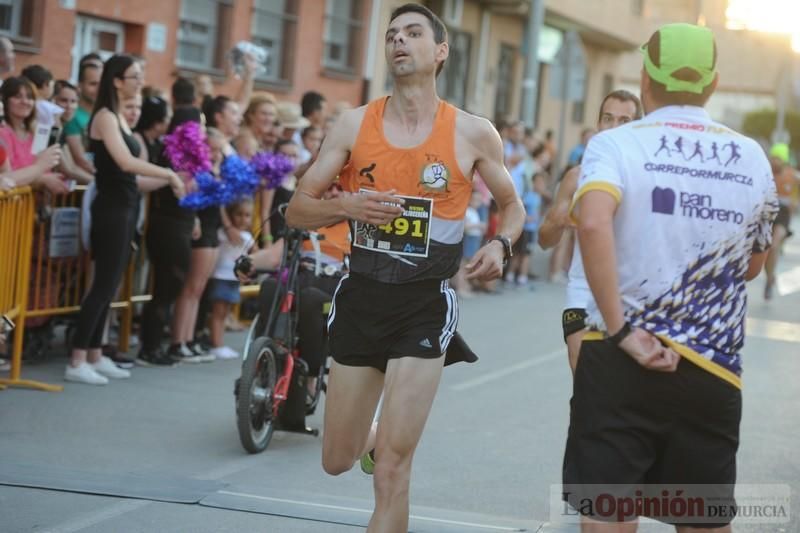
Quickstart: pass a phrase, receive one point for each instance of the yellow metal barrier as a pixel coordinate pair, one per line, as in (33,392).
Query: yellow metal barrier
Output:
(58,284)
(16,235)
(40,278)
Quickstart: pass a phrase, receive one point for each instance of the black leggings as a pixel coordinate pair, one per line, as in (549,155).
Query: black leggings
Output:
(315,293)
(169,250)
(112,230)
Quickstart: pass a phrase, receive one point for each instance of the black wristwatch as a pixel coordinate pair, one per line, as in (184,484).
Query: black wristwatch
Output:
(619,336)
(507,251)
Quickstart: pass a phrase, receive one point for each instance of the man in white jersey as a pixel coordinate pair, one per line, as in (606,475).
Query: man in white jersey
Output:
(617,108)
(669,235)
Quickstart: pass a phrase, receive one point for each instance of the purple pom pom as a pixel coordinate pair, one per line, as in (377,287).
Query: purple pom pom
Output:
(187,150)
(272,168)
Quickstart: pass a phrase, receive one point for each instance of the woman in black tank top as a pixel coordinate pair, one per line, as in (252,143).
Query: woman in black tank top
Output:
(114,213)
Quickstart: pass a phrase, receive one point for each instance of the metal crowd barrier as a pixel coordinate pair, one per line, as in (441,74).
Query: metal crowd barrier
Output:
(45,270)
(17,211)
(62,268)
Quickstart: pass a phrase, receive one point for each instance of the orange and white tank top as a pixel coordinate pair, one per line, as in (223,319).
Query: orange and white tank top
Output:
(425,242)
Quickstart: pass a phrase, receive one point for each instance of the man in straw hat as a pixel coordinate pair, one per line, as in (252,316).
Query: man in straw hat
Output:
(669,235)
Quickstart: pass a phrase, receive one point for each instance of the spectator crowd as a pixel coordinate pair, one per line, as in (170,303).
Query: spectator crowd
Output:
(56,134)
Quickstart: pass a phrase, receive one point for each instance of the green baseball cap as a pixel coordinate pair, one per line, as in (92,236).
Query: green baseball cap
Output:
(682,46)
(781,151)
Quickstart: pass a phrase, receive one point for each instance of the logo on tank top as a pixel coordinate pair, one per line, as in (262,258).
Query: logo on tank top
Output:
(366,172)
(435,177)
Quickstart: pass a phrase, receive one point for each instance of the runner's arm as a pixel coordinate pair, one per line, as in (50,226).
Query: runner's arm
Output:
(556,220)
(489,164)
(487,264)
(596,238)
(308,210)
(755,265)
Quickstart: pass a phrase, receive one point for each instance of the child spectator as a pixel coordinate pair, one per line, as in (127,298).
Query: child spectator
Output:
(223,291)
(47,112)
(532,200)
(312,140)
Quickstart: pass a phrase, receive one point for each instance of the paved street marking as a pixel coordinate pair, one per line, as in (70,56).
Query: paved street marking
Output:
(97,516)
(789,281)
(773,329)
(497,374)
(364,511)
(92,518)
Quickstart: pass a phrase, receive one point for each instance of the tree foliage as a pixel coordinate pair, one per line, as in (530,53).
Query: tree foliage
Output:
(760,124)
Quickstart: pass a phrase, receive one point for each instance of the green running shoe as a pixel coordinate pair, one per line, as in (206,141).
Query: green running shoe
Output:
(368,462)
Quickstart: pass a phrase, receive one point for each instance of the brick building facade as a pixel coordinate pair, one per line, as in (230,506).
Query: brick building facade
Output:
(313,44)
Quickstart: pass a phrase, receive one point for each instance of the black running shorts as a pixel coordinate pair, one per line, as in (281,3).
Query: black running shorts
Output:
(631,427)
(573,320)
(371,322)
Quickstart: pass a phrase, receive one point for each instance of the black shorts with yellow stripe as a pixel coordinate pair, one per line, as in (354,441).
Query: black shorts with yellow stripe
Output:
(634,429)
(573,320)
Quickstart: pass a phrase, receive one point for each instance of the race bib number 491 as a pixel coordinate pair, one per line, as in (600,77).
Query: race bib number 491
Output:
(408,234)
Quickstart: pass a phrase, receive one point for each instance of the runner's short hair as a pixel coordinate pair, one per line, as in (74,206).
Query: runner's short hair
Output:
(438,27)
(623,96)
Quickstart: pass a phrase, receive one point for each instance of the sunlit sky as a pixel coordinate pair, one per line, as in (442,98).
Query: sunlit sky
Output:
(776,16)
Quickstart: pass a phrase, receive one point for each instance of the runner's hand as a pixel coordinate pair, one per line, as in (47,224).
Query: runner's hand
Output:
(647,350)
(487,263)
(371,207)
(6,184)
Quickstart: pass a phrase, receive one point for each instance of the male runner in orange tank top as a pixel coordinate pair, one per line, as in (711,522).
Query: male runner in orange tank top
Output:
(406,164)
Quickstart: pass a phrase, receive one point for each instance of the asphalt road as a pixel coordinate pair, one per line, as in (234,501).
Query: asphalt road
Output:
(490,454)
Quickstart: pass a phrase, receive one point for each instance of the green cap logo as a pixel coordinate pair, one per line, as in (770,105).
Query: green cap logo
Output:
(682,46)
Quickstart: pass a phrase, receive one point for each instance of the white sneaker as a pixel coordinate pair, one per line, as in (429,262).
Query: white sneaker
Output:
(107,368)
(223,352)
(84,373)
